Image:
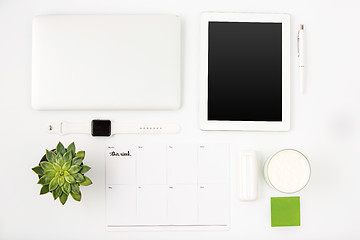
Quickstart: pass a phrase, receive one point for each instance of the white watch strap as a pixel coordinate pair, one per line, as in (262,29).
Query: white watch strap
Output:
(144,128)
(63,128)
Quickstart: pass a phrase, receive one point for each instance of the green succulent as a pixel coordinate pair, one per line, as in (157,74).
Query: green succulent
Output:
(62,173)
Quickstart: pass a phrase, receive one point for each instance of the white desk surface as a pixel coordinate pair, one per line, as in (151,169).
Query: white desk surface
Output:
(325,125)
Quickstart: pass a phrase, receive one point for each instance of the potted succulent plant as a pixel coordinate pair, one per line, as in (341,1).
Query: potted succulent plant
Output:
(61,172)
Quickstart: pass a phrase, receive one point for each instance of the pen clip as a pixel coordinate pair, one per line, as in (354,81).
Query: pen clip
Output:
(298,39)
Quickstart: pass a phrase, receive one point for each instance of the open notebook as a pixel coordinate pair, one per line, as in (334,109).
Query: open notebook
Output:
(167,187)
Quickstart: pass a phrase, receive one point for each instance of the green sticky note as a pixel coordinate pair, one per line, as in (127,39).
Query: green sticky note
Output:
(285,211)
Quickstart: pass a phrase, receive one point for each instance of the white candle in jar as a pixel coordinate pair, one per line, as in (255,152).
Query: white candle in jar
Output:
(287,171)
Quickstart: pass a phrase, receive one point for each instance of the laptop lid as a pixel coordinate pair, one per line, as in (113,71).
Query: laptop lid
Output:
(106,62)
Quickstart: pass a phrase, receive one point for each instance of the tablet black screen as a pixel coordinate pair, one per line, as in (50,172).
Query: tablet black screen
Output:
(245,71)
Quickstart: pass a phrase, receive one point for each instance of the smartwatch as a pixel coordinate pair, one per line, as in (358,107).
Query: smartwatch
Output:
(106,128)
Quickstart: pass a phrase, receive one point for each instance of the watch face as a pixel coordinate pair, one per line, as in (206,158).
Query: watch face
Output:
(101,128)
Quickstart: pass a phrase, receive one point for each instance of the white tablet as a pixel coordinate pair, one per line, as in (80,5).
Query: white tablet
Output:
(245,72)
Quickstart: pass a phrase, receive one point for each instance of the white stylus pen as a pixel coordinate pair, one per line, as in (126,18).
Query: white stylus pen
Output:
(300,45)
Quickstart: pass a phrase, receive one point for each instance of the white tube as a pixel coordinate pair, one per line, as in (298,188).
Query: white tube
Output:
(247,172)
